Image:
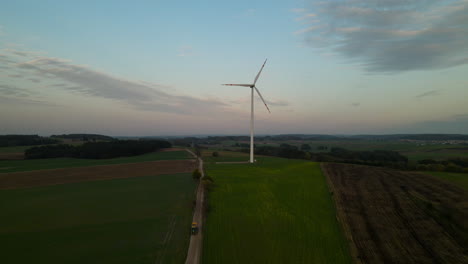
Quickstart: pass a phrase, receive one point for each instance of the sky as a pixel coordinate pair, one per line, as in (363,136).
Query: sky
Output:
(155,68)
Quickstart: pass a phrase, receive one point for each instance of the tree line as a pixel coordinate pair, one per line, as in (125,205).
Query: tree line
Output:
(383,158)
(97,150)
(25,140)
(449,165)
(376,157)
(84,137)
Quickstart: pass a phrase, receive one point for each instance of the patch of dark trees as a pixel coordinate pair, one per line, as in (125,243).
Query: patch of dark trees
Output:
(382,158)
(385,158)
(449,165)
(436,137)
(97,150)
(213,140)
(25,140)
(84,137)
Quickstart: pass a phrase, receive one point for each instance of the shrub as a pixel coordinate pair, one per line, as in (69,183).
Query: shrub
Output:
(196,174)
(453,168)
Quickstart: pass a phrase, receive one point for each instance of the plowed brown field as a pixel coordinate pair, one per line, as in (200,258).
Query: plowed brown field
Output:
(12,156)
(103,172)
(398,217)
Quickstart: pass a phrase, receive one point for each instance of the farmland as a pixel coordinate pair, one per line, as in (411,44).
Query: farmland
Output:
(15,149)
(276,211)
(459,179)
(224,156)
(41,164)
(133,220)
(124,210)
(92,173)
(398,217)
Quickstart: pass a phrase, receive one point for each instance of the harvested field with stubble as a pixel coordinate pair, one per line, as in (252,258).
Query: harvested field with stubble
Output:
(103,172)
(398,217)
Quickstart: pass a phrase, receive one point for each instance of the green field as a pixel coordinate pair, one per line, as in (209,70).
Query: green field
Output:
(224,156)
(276,211)
(133,220)
(459,179)
(41,164)
(14,149)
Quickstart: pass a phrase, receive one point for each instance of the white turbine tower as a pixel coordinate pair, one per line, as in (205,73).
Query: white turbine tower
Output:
(252,87)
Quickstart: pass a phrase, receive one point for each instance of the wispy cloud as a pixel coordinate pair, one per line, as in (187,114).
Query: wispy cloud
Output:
(4,59)
(185,51)
(298,10)
(306,30)
(278,102)
(6,100)
(11,90)
(249,12)
(34,80)
(19,76)
(428,93)
(393,36)
(90,82)
(86,81)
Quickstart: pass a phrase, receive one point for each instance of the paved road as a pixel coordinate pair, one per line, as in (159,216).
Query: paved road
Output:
(196,241)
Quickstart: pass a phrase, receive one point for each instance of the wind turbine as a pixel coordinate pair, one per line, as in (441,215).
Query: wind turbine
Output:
(252,87)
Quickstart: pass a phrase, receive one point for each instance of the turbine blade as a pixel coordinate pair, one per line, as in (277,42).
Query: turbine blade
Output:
(258,75)
(234,84)
(261,97)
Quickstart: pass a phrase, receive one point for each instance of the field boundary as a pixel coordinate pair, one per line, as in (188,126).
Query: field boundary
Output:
(25,179)
(340,218)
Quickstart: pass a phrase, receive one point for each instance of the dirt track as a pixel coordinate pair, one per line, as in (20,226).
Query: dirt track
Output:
(196,241)
(103,172)
(396,217)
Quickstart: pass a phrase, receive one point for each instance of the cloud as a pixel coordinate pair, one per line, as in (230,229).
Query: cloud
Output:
(185,51)
(356,104)
(298,10)
(429,93)
(393,35)
(140,95)
(20,76)
(249,12)
(6,100)
(34,80)
(20,53)
(59,85)
(12,90)
(6,59)
(278,103)
(306,30)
